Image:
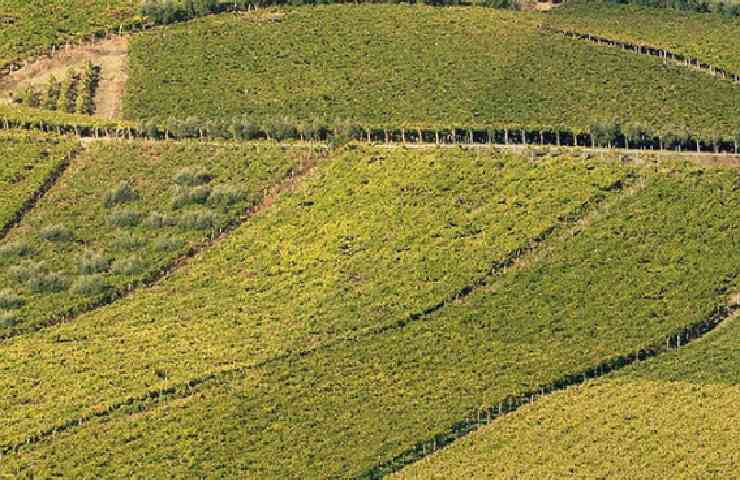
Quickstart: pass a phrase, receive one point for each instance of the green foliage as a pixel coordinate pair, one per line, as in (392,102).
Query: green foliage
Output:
(123,171)
(90,285)
(201,219)
(191,177)
(28,158)
(710,38)
(279,75)
(56,233)
(10,300)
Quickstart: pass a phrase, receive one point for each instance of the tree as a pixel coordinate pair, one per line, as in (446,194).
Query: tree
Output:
(52,93)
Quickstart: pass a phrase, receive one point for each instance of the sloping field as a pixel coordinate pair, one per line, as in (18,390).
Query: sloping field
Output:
(414,66)
(619,281)
(28,160)
(123,212)
(362,246)
(31,27)
(672,417)
(714,39)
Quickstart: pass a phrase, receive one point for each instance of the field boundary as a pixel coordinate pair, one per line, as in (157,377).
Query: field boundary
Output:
(668,56)
(482,417)
(49,182)
(187,388)
(288,182)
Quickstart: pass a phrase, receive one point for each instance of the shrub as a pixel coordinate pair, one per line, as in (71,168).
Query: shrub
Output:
(128,266)
(56,233)
(168,244)
(159,220)
(93,262)
(24,272)
(184,196)
(190,177)
(47,283)
(15,249)
(225,195)
(198,220)
(125,217)
(123,193)
(10,300)
(127,241)
(8,319)
(90,285)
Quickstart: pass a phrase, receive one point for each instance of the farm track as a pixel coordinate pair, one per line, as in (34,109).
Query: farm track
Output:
(186,389)
(31,202)
(288,183)
(674,58)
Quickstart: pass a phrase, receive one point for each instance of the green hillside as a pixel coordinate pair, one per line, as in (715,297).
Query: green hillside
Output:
(28,160)
(674,416)
(389,65)
(122,213)
(556,314)
(711,38)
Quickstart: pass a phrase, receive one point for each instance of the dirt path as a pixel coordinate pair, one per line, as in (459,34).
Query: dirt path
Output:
(111,55)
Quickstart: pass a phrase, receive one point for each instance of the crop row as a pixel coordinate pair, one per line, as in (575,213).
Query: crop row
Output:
(122,213)
(360,246)
(28,159)
(473,67)
(685,402)
(614,285)
(712,39)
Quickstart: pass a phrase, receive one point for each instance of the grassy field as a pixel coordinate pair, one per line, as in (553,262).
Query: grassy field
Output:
(391,65)
(31,27)
(671,417)
(317,415)
(360,247)
(28,159)
(710,38)
(123,212)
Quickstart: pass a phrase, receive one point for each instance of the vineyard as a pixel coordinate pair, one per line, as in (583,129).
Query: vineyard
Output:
(122,213)
(342,255)
(28,160)
(233,65)
(331,239)
(425,374)
(684,403)
(713,39)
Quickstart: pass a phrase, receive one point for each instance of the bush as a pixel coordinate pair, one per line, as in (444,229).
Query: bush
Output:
(198,220)
(159,220)
(128,266)
(197,196)
(125,217)
(24,272)
(127,241)
(168,244)
(93,262)
(190,177)
(225,195)
(56,233)
(10,300)
(15,249)
(47,283)
(123,193)
(90,285)
(8,319)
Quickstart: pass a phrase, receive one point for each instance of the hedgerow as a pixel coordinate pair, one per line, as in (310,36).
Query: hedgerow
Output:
(370,239)
(614,284)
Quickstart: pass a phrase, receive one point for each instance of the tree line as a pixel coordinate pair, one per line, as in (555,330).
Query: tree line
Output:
(729,8)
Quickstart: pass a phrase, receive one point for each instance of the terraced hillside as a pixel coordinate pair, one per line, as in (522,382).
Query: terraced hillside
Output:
(121,214)
(28,161)
(711,38)
(252,407)
(390,65)
(672,416)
